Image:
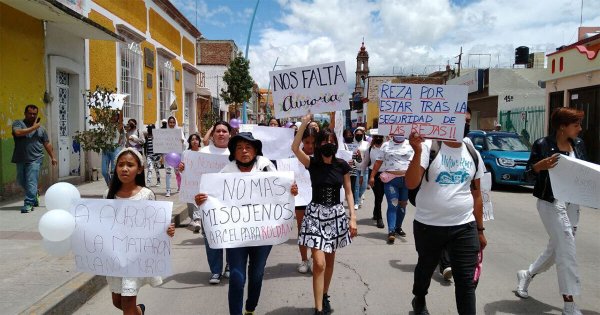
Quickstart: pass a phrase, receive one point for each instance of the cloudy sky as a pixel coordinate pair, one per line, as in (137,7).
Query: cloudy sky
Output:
(401,36)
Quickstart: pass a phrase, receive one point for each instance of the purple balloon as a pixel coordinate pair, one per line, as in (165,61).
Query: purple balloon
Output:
(288,124)
(173,159)
(235,123)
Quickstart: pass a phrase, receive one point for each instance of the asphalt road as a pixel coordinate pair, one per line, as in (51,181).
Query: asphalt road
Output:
(372,277)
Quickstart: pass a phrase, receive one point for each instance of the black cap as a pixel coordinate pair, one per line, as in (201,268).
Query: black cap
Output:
(246,136)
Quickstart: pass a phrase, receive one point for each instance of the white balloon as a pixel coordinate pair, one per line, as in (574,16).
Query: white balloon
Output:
(57,225)
(57,249)
(61,196)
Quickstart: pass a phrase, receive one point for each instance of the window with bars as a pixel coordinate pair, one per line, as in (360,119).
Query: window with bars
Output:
(131,80)
(166,88)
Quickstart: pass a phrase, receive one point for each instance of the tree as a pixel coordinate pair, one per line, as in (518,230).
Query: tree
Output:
(239,82)
(105,122)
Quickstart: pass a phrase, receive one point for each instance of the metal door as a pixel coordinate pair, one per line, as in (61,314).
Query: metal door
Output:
(64,140)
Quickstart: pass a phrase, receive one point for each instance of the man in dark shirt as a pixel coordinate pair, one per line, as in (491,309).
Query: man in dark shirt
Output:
(30,139)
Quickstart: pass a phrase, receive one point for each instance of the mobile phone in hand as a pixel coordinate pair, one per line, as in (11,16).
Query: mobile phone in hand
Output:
(38,120)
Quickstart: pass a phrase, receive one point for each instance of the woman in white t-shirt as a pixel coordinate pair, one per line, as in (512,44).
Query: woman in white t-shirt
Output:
(373,155)
(220,135)
(396,154)
(449,215)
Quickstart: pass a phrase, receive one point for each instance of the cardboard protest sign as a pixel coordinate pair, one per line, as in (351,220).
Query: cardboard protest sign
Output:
(434,111)
(576,181)
(302,178)
(196,164)
(247,209)
(276,141)
(167,140)
(345,155)
(316,89)
(122,238)
(486,194)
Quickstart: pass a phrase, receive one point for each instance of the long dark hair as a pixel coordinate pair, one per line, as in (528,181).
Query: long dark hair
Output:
(115,183)
(310,132)
(324,135)
(190,140)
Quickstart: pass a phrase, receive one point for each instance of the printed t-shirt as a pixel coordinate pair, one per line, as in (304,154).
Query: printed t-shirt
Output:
(374,155)
(396,156)
(446,200)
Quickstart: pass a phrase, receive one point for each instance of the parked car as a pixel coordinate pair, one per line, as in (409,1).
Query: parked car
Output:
(505,155)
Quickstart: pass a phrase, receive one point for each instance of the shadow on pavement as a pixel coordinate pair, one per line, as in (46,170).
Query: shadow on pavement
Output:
(10,208)
(284,270)
(525,306)
(381,236)
(395,263)
(196,278)
(291,310)
(198,240)
(514,189)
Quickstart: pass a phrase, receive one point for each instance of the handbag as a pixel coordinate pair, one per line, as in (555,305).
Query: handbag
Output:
(387,177)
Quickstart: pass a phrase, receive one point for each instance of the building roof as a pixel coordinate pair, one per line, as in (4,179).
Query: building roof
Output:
(582,46)
(172,11)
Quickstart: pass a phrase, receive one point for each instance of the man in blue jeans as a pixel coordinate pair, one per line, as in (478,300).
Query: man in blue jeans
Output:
(30,140)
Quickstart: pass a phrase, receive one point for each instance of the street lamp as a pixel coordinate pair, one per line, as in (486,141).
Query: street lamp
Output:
(269,88)
(244,114)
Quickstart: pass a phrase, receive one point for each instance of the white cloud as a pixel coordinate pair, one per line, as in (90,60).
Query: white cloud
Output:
(414,36)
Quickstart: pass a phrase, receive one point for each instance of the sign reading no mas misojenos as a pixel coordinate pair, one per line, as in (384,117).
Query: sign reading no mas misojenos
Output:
(318,89)
(434,111)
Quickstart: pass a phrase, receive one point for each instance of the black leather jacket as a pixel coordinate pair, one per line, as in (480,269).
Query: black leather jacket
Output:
(541,149)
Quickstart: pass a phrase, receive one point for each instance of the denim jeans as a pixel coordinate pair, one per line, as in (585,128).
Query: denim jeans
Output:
(359,189)
(560,220)
(462,242)
(395,191)
(378,192)
(27,177)
(214,257)
(254,259)
(108,164)
(168,171)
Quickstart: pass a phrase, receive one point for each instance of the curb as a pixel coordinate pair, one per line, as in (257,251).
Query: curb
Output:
(71,295)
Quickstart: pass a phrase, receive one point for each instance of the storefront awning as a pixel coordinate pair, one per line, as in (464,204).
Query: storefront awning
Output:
(64,18)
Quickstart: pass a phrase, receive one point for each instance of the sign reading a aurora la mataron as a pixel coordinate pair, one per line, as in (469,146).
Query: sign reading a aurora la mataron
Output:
(315,89)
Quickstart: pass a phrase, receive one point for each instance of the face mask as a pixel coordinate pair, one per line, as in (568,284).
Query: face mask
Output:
(378,141)
(328,149)
(467,129)
(248,164)
(399,138)
(348,139)
(358,138)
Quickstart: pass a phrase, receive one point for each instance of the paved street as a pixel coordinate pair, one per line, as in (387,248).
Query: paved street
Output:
(374,278)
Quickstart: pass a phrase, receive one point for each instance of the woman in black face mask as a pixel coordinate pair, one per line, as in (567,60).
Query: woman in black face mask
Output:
(325,226)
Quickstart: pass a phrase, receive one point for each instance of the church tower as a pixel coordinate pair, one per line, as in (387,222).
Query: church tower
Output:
(362,69)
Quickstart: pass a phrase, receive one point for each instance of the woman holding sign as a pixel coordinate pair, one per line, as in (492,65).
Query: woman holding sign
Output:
(308,147)
(129,182)
(559,218)
(220,133)
(325,227)
(193,145)
(246,156)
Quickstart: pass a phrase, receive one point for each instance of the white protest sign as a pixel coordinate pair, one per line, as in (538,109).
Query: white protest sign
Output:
(167,140)
(345,155)
(276,141)
(122,238)
(302,178)
(196,164)
(247,127)
(316,89)
(576,181)
(247,209)
(434,111)
(486,194)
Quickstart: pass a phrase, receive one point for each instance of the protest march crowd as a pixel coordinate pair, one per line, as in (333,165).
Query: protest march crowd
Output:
(247,185)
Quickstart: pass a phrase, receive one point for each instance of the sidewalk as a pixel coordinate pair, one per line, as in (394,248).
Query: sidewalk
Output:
(33,282)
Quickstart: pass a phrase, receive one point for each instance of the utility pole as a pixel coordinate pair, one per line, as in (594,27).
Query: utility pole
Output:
(244,114)
(459,60)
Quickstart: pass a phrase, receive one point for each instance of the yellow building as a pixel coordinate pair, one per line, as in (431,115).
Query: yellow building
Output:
(52,51)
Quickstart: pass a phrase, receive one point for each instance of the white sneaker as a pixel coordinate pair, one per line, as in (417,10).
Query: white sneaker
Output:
(524,278)
(447,273)
(157,184)
(227,273)
(195,225)
(355,207)
(571,309)
(168,193)
(215,279)
(303,267)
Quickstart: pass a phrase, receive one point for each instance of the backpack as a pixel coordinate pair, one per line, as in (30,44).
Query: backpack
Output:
(435,149)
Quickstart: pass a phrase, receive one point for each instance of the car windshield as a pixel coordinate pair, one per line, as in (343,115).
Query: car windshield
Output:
(507,143)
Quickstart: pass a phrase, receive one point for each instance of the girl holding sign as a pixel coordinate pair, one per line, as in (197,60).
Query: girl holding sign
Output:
(193,145)
(129,182)
(308,147)
(172,123)
(325,226)
(559,218)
